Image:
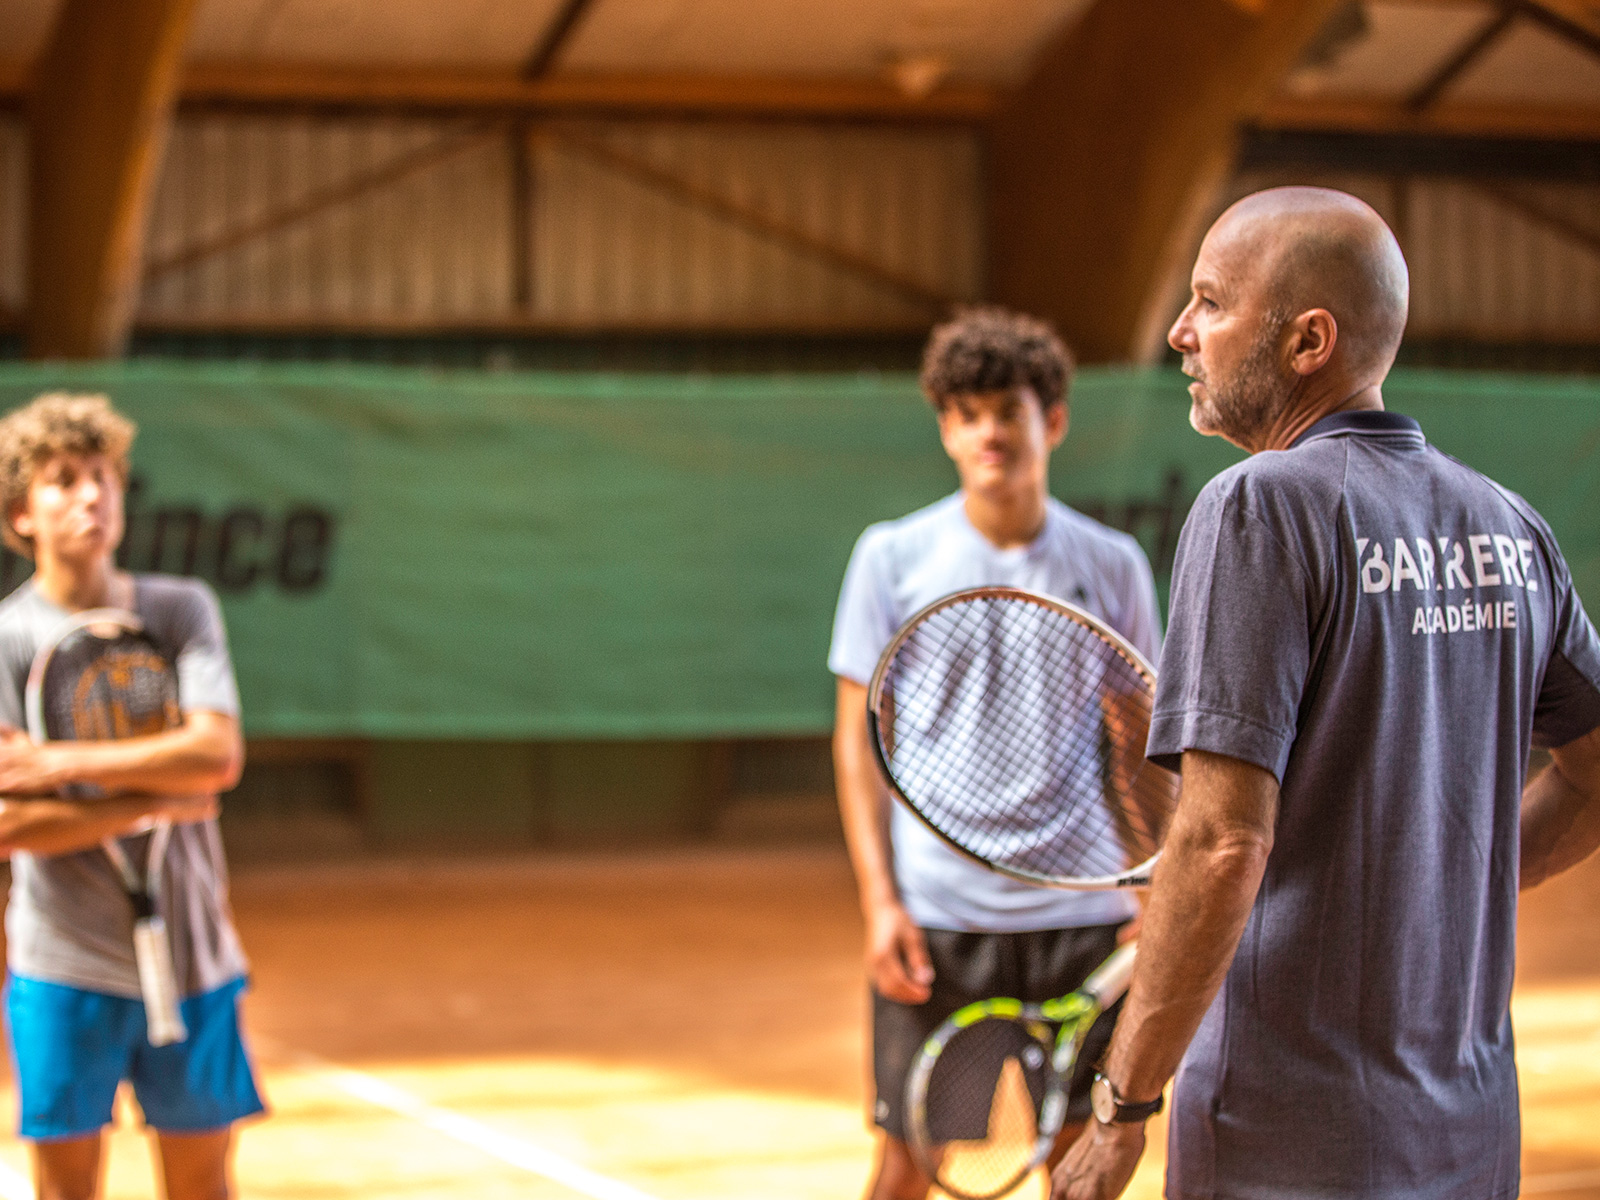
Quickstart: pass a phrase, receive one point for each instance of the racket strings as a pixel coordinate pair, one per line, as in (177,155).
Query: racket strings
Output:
(984,1099)
(99,688)
(1018,732)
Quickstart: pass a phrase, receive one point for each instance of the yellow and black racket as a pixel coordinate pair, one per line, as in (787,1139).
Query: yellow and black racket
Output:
(987,1095)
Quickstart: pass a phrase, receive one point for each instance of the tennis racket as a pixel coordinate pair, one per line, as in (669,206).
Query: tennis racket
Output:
(1014,726)
(987,1095)
(99,676)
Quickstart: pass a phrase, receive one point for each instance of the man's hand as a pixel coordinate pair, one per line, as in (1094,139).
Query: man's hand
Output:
(23,767)
(1099,1164)
(1133,926)
(897,956)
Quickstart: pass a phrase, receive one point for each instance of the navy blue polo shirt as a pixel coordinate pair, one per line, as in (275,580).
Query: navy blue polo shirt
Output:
(1387,631)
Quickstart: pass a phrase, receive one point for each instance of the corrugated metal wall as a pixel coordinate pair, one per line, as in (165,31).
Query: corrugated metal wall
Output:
(611,249)
(1487,264)
(431,246)
(392,224)
(1483,265)
(603,247)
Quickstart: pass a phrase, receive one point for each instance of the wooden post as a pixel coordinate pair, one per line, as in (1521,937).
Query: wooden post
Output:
(1103,164)
(100,109)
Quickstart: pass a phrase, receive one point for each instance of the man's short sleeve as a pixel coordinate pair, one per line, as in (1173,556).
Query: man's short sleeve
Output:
(865,621)
(1569,697)
(205,668)
(1237,650)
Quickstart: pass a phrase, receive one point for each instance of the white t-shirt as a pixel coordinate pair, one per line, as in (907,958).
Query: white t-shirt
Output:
(899,567)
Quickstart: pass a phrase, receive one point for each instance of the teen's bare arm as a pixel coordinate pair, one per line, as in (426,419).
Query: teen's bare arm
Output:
(1561,811)
(204,754)
(897,953)
(1205,886)
(46,825)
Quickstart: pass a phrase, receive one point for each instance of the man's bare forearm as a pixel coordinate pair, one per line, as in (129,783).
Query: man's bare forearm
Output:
(1561,811)
(1204,889)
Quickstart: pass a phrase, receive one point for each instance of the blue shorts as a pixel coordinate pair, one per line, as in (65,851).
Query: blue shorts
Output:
(71,1048)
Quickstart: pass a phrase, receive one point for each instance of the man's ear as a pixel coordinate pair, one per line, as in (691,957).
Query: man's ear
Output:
(21,520)
(1314,333)
(945,414)
(1056,421)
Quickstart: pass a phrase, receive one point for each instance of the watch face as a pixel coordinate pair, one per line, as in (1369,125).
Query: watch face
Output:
(1102,1100)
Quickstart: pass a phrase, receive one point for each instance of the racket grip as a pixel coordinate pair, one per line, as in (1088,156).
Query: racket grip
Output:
(1110,978)
(158,983)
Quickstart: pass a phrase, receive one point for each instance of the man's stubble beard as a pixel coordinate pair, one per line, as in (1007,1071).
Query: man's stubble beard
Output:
(1240,408)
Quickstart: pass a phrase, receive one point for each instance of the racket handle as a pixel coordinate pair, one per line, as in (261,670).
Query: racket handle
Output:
(1110,978)
(158,983)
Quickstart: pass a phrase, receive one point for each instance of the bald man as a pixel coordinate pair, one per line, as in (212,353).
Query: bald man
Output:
(1365,638)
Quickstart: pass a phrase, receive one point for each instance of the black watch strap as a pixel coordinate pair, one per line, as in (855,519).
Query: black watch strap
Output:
(1112,1109)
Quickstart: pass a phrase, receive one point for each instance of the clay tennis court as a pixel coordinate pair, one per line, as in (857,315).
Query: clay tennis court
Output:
(685,1025)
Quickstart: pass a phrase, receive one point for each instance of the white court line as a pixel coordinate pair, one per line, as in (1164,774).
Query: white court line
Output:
(14,1185)
(1564,1182)
(524,1155)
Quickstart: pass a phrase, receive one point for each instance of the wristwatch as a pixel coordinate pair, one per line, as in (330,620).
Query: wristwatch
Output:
(1111,1109)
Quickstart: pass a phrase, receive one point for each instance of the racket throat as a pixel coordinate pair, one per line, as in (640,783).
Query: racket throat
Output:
(143,905)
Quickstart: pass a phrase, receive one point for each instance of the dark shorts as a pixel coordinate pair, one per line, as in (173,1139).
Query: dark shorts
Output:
(71,1049)
(1032,967)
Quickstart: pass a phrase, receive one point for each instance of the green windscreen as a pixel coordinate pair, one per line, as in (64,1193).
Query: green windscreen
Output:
(413,554)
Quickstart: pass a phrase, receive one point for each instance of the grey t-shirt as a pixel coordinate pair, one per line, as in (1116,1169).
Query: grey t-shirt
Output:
(68,920)
(1386,631)
(899,567)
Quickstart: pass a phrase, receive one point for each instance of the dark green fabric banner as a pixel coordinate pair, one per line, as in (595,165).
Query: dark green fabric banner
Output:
(415,554)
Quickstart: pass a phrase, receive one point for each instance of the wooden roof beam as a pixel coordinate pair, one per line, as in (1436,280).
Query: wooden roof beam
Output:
(100,108)
(1103,166)
(320,88)
(1367,114)
(1577,21)
(556,38)
(1470,52)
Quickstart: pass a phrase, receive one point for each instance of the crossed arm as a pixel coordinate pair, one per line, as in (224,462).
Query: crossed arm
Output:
(174,775)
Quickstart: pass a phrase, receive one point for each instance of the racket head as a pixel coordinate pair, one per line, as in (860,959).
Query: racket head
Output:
(99,676)
(986,1095)
(1013,725)
(984,1102)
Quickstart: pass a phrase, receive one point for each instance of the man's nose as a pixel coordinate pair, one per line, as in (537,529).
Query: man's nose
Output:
(1181,335)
